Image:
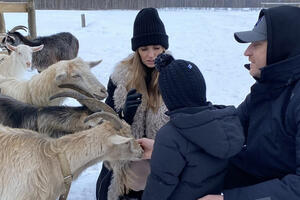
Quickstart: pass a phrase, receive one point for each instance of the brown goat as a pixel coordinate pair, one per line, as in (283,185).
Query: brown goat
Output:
(29,163)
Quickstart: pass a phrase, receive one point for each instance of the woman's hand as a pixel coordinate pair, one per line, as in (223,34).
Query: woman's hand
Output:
(147,145)
(133,100)
(212,197)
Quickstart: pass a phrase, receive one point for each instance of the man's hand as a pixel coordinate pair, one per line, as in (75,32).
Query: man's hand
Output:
(147,145)
(212,197)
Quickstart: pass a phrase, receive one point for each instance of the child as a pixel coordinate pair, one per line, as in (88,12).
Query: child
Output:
(191,151)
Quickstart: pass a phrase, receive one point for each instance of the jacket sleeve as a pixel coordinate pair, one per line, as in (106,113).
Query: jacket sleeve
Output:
(167,164)
(276,189)
(243,113)
(110,90)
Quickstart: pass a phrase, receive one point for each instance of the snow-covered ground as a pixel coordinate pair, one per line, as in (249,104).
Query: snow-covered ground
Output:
(203,36)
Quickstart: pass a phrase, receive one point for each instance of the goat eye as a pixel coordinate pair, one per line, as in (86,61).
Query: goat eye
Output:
(76,76)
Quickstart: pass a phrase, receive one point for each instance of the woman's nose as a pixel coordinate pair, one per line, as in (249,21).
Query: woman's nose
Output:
(151,53)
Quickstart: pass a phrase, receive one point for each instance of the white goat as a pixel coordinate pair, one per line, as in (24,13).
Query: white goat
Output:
(31,167)
(63,76)
(16,64)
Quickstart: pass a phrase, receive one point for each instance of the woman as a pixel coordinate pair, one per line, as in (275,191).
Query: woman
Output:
(133,93)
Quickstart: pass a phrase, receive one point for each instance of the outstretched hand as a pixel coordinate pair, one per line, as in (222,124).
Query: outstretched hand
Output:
(212,197)
(147,145)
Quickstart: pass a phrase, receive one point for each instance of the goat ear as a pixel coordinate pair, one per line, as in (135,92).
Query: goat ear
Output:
(38,48)
(93,64)
(11,47)
(117,139)
(61,76)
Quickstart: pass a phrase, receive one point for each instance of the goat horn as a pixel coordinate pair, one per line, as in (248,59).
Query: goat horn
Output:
(77,88)
(10,47)
(116,122)
(21,27)
(94,63)
(93,104)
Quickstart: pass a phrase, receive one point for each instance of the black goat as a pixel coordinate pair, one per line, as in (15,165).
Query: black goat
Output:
(60,46)
(54,121)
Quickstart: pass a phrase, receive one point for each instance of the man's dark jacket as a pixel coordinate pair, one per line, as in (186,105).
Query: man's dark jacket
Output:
(190,153)
(268,167)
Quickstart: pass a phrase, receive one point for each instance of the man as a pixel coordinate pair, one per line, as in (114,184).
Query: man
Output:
(268,167)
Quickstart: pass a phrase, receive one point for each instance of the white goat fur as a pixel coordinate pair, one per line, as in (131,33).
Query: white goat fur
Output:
(30,168)
(41,87)
(16,64)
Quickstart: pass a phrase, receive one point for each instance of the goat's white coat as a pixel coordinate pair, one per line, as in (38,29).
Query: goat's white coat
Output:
(18,62)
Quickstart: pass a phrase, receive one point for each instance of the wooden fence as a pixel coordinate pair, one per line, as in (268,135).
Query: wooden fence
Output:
(138,4)
(27,6)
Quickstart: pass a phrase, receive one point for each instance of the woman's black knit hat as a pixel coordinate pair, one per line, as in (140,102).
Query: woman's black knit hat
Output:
(148,29)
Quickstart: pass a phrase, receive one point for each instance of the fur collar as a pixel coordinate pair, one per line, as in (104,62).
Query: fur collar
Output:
(145,123)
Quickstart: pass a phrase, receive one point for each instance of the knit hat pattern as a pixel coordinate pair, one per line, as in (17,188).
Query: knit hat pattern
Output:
(148,29)
(180,82)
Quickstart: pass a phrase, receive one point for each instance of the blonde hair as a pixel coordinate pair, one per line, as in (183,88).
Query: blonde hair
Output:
(150,94)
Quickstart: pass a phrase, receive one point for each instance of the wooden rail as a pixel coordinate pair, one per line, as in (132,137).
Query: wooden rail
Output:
(28,7)
(270,4)
(13,7)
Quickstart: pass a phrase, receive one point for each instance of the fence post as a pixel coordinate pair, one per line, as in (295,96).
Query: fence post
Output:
(2,23)
(31,19)
(82,20)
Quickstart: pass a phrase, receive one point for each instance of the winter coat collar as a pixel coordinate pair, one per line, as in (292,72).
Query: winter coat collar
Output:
(281,73)
(277,77)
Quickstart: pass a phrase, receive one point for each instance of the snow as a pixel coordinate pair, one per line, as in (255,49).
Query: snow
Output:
(203,36)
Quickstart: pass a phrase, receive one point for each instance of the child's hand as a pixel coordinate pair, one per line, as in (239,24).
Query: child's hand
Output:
(147,145)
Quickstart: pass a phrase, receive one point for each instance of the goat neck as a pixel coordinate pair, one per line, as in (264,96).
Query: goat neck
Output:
(81,149)
(42,86)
